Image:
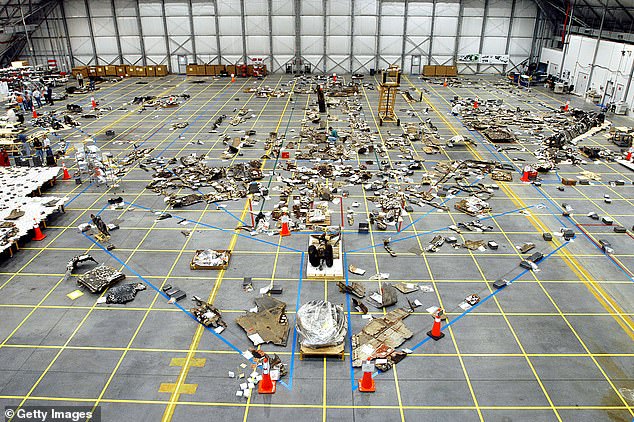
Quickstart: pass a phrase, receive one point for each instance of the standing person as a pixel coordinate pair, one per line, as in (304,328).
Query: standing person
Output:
(39,149)
(49,95)
(28,102)
(20,101)
(91,80)
(4,158)
(80,80)
(37,97)
(26,148)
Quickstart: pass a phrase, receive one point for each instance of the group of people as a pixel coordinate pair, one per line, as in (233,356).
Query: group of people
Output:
(28,99)
(91,81)
(41,147)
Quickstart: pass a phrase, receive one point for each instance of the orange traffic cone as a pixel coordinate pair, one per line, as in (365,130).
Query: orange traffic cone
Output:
(567,106)
(266,385)
(445,83)
(37,232)
(526,174)
(475,103)
(435,332)
(285,230)
(66,175)
(93,102)
(630,151)
(334,77)
(367,384)
(34,113)
(233,77)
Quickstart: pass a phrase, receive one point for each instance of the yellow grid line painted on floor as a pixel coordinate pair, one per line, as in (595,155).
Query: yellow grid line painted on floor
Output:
(570,260)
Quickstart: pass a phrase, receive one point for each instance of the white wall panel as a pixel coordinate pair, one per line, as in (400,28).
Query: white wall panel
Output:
(150,8)
(103,26)
(204,26)
(338,22)
(338,25)
(313,44)
(338,45)
(230,25)
(365,25)
(283,25)
(338,7)
(419,25)
(125,7)
(151,25)
(257,25)
(206,7)
(127,26)
(312,25)
(392,25)
(445,26)
(364,45)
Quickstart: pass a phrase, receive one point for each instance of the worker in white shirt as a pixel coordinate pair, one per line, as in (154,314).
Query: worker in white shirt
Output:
(455,110)
(37,96)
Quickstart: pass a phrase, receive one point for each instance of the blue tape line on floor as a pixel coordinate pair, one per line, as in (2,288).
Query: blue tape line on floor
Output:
(349,336)
(219,229)
(459,317)
(400,239)
(126,266)
(297,301)
(80,192)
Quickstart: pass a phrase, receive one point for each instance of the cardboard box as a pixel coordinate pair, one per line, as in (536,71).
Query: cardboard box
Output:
(441,70)
(201,69)
(250,70)
(150,70)
(210,70)
(140,71)
(130,70)
(92,71)
(429,70)
(219,69)
(110,70)
(81,69)
(121,70)
(101,71)
(452,71)
(192,70)
(161,70)
(231,69)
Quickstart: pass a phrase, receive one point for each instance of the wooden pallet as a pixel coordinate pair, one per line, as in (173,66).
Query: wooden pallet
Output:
(335,272)
(332,351)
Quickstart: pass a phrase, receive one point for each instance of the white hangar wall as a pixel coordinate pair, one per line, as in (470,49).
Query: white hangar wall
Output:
(333,35)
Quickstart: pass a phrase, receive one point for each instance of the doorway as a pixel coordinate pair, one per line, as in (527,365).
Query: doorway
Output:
(581,84)
(182,64)
(415,65)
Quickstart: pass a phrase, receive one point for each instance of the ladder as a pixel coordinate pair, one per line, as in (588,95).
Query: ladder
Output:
(388,89)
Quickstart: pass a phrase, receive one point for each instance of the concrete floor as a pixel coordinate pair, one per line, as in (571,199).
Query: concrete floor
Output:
(554,345)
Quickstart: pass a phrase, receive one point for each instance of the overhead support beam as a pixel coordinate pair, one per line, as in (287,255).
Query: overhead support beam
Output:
(351,35)
(405,19)
(167,39)
(624,9)
(116,30)
(92,33)
(510,32)
(190,8)
(324,10)
(535,51)
(270,5)
(298,29)
(243,27)
(431,31)
(596,46)
(566,39)
(629,82)
(217,23)
(377,45)
(65,24)
(141,40)
(458,33)
(485,17)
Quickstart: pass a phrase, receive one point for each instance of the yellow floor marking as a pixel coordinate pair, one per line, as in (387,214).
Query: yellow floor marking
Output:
(182,388)
(195,362)
(570,261)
